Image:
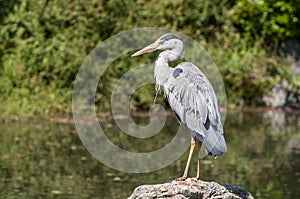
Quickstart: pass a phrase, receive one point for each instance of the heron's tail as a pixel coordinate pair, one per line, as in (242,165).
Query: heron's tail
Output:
(214,142)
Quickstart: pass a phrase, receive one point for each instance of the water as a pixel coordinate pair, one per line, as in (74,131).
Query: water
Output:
(47,159)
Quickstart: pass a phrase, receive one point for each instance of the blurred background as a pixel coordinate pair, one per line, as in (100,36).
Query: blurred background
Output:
(254,43)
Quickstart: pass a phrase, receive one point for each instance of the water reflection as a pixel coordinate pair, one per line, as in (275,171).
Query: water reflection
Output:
(46,159)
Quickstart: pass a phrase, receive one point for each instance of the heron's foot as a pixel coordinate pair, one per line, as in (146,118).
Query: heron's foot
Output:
(183,178)
(197,179)
(189,181)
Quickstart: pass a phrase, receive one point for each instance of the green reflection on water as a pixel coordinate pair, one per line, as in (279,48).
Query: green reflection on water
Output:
(48,160)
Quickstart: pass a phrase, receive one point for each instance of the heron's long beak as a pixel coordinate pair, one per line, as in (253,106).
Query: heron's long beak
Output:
(147,49)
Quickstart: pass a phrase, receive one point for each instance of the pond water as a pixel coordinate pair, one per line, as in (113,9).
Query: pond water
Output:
(47,159)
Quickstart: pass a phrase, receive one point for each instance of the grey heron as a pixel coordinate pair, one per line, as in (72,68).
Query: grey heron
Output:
(190,95)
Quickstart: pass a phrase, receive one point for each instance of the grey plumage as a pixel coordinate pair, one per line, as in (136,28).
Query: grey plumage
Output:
(190,94)
(192,97)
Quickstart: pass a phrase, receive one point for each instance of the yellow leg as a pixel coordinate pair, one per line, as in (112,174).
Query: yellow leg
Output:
(198,164)
(186,171)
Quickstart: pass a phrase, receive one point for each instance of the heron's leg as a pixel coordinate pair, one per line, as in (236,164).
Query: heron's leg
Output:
(186,171)
(198,164)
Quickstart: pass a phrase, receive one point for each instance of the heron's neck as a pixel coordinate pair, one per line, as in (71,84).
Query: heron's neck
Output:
(162,69)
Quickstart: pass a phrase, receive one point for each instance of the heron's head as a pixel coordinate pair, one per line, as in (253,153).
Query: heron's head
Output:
(165,42)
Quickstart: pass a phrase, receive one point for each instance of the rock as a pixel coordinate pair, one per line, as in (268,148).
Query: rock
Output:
(294,146)
(291,50)
(277,96)
(190,188)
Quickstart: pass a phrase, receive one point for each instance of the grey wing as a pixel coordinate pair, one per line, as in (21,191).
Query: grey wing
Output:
(193,99)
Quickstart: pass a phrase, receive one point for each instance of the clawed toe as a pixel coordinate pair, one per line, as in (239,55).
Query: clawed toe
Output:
(183,178)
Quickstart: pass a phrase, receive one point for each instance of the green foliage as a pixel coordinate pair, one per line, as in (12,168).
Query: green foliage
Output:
(42,52)
(271,19)
(43,44)
(247,69)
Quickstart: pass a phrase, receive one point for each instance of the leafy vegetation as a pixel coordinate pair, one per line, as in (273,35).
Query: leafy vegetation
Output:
(271,19)
(43,44)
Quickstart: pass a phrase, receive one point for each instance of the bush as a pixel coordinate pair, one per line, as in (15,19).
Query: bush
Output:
(271,19)
(44,42)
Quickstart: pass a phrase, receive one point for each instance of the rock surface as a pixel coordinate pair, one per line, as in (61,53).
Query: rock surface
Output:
(190,188)
(290,48)
(278,95)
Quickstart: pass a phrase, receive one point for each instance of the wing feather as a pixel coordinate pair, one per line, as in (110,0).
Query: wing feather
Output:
(194,101)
